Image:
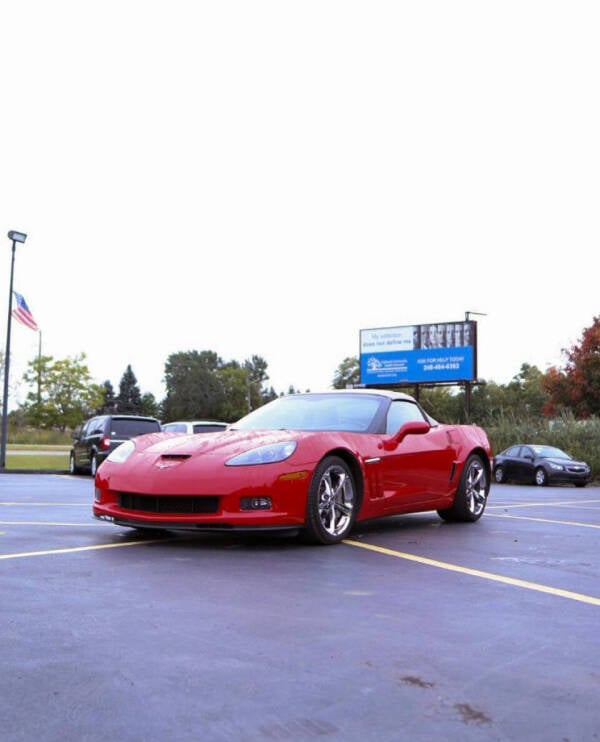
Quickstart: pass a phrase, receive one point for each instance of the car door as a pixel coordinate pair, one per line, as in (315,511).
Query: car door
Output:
(526,464)
(512,463)
(81,452)
(418,469)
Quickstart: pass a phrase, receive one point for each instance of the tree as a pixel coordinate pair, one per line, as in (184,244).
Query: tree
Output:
(200,386)
(256,376)
(444,403)
(129,401)
(525,395)
(234,381)
(149,406)
(194,389)
(347,373)
(109,402)
(576,387)
(64,392)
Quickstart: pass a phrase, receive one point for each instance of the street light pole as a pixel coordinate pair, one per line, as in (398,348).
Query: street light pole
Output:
(15,237)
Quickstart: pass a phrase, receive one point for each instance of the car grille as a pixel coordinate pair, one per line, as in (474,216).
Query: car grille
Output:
(180,504)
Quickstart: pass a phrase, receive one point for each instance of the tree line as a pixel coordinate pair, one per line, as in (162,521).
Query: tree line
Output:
(200,385)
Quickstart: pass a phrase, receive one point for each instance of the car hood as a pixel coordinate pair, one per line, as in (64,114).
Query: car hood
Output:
(565,462)
(223,444)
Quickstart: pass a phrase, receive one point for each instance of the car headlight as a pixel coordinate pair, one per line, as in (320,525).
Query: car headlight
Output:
(121,452)
(269,454)
(556,467)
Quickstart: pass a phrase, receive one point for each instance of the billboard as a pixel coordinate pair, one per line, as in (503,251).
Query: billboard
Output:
(419,354)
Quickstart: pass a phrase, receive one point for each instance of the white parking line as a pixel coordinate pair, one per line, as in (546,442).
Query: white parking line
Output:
(50,523)
(47,504)
(542,520)
(545,503)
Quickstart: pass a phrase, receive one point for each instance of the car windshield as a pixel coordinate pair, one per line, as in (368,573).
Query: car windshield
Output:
(350,412)
(550,452)
(130,428)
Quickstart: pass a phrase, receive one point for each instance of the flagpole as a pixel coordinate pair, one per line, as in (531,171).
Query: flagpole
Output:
(15,237)
(39,375)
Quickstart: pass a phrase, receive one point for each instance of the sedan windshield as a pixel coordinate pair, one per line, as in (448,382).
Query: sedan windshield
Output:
(350,412)
(550,452)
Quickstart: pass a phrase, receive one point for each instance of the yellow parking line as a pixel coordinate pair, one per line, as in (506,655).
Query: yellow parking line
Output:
(543,520)
(591,600)
(78,548)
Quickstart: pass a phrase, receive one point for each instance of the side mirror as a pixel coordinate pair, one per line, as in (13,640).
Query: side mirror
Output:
(415,427)
(75,434)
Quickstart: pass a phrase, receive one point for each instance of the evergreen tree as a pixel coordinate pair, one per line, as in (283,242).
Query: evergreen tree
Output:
(256,375)
(129,401)
(109,402)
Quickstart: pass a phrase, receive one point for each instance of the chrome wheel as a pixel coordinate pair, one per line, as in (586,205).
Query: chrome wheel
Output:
(336,500)
(476,487)
(332,502)
(471,493)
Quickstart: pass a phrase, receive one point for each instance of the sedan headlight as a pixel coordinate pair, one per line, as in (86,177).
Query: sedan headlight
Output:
(556,467)
(121,452)
(269,454)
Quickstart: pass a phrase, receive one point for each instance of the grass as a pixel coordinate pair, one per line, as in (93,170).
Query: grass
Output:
(33,462)
(46,457)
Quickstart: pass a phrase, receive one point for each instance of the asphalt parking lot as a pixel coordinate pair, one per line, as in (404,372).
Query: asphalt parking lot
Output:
(413,629)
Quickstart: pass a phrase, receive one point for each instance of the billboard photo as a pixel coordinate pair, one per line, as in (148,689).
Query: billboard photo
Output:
(419,354)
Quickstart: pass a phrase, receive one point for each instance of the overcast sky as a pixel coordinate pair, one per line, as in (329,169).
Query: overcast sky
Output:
(270,177)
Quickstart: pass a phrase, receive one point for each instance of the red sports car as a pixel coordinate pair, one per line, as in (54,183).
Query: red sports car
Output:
(315,462)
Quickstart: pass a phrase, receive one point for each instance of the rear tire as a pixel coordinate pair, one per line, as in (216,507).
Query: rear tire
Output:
(471,493)
(72,468)
(93,465)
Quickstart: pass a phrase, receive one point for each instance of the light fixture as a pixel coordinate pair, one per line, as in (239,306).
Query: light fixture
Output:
(17,236)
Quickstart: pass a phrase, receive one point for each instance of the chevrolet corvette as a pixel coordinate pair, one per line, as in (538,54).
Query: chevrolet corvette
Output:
(315,463)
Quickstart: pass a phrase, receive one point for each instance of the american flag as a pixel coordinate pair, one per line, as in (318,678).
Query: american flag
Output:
(22,313)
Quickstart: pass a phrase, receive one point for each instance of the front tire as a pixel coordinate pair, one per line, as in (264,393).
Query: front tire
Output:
(471,494)
(541,478)
(332,502)
(500,475)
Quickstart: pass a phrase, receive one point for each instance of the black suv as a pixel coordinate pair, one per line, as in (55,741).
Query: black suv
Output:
(100,435)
